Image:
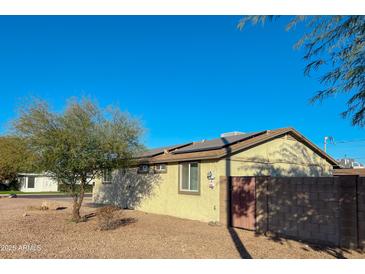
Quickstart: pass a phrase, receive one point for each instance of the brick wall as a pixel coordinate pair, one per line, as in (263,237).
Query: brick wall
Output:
(304,208)
(326,210)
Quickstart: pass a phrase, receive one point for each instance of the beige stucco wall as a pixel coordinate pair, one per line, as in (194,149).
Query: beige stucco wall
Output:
(168,200)
(279,157)
(165,197)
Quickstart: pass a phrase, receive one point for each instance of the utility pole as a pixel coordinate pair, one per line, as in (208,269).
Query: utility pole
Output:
(329,138)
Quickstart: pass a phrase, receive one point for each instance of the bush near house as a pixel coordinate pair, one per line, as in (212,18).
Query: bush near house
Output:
(9,186)
(106,217)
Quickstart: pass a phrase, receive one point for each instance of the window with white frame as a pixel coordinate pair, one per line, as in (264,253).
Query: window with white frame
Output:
(160,168)
(107,176)
(189,177)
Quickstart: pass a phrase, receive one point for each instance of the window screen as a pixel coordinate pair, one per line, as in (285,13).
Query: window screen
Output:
(189,177)
(31,181)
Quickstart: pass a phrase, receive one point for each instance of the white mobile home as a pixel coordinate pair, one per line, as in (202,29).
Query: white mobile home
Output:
(35,182)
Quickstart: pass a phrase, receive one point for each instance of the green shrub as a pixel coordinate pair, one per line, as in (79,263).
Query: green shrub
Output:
(12,186)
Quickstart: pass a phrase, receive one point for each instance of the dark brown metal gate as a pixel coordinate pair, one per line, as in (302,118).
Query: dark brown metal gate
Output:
(243,204)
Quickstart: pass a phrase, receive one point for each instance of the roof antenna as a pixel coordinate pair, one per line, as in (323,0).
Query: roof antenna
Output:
(330,139)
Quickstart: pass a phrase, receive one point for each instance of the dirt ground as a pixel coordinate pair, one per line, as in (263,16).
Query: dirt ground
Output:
(50,234)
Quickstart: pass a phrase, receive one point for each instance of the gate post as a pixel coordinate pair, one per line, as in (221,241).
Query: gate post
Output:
(225,200)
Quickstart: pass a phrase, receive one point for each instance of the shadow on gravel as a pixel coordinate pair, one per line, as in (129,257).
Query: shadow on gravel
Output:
(120,223)
(238,244)
(336,252)
(125,221)
(90,215)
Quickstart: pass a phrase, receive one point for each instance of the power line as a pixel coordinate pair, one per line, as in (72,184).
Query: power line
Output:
(349,141)
(348,147)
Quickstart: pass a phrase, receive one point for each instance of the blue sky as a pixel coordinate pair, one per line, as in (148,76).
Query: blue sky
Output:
(186,77)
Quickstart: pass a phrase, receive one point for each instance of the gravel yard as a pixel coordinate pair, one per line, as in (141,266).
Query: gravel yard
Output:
(50,234)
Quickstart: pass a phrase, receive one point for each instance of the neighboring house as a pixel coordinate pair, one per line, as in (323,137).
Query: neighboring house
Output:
(349,163)
(40,182)
(186,179)
(37,182)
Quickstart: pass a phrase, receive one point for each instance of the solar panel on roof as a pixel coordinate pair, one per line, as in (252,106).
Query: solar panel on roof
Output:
(215,143)
(160,150)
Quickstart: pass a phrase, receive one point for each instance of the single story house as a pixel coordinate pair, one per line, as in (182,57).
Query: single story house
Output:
(41,182)
(37,182)
(186,180)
